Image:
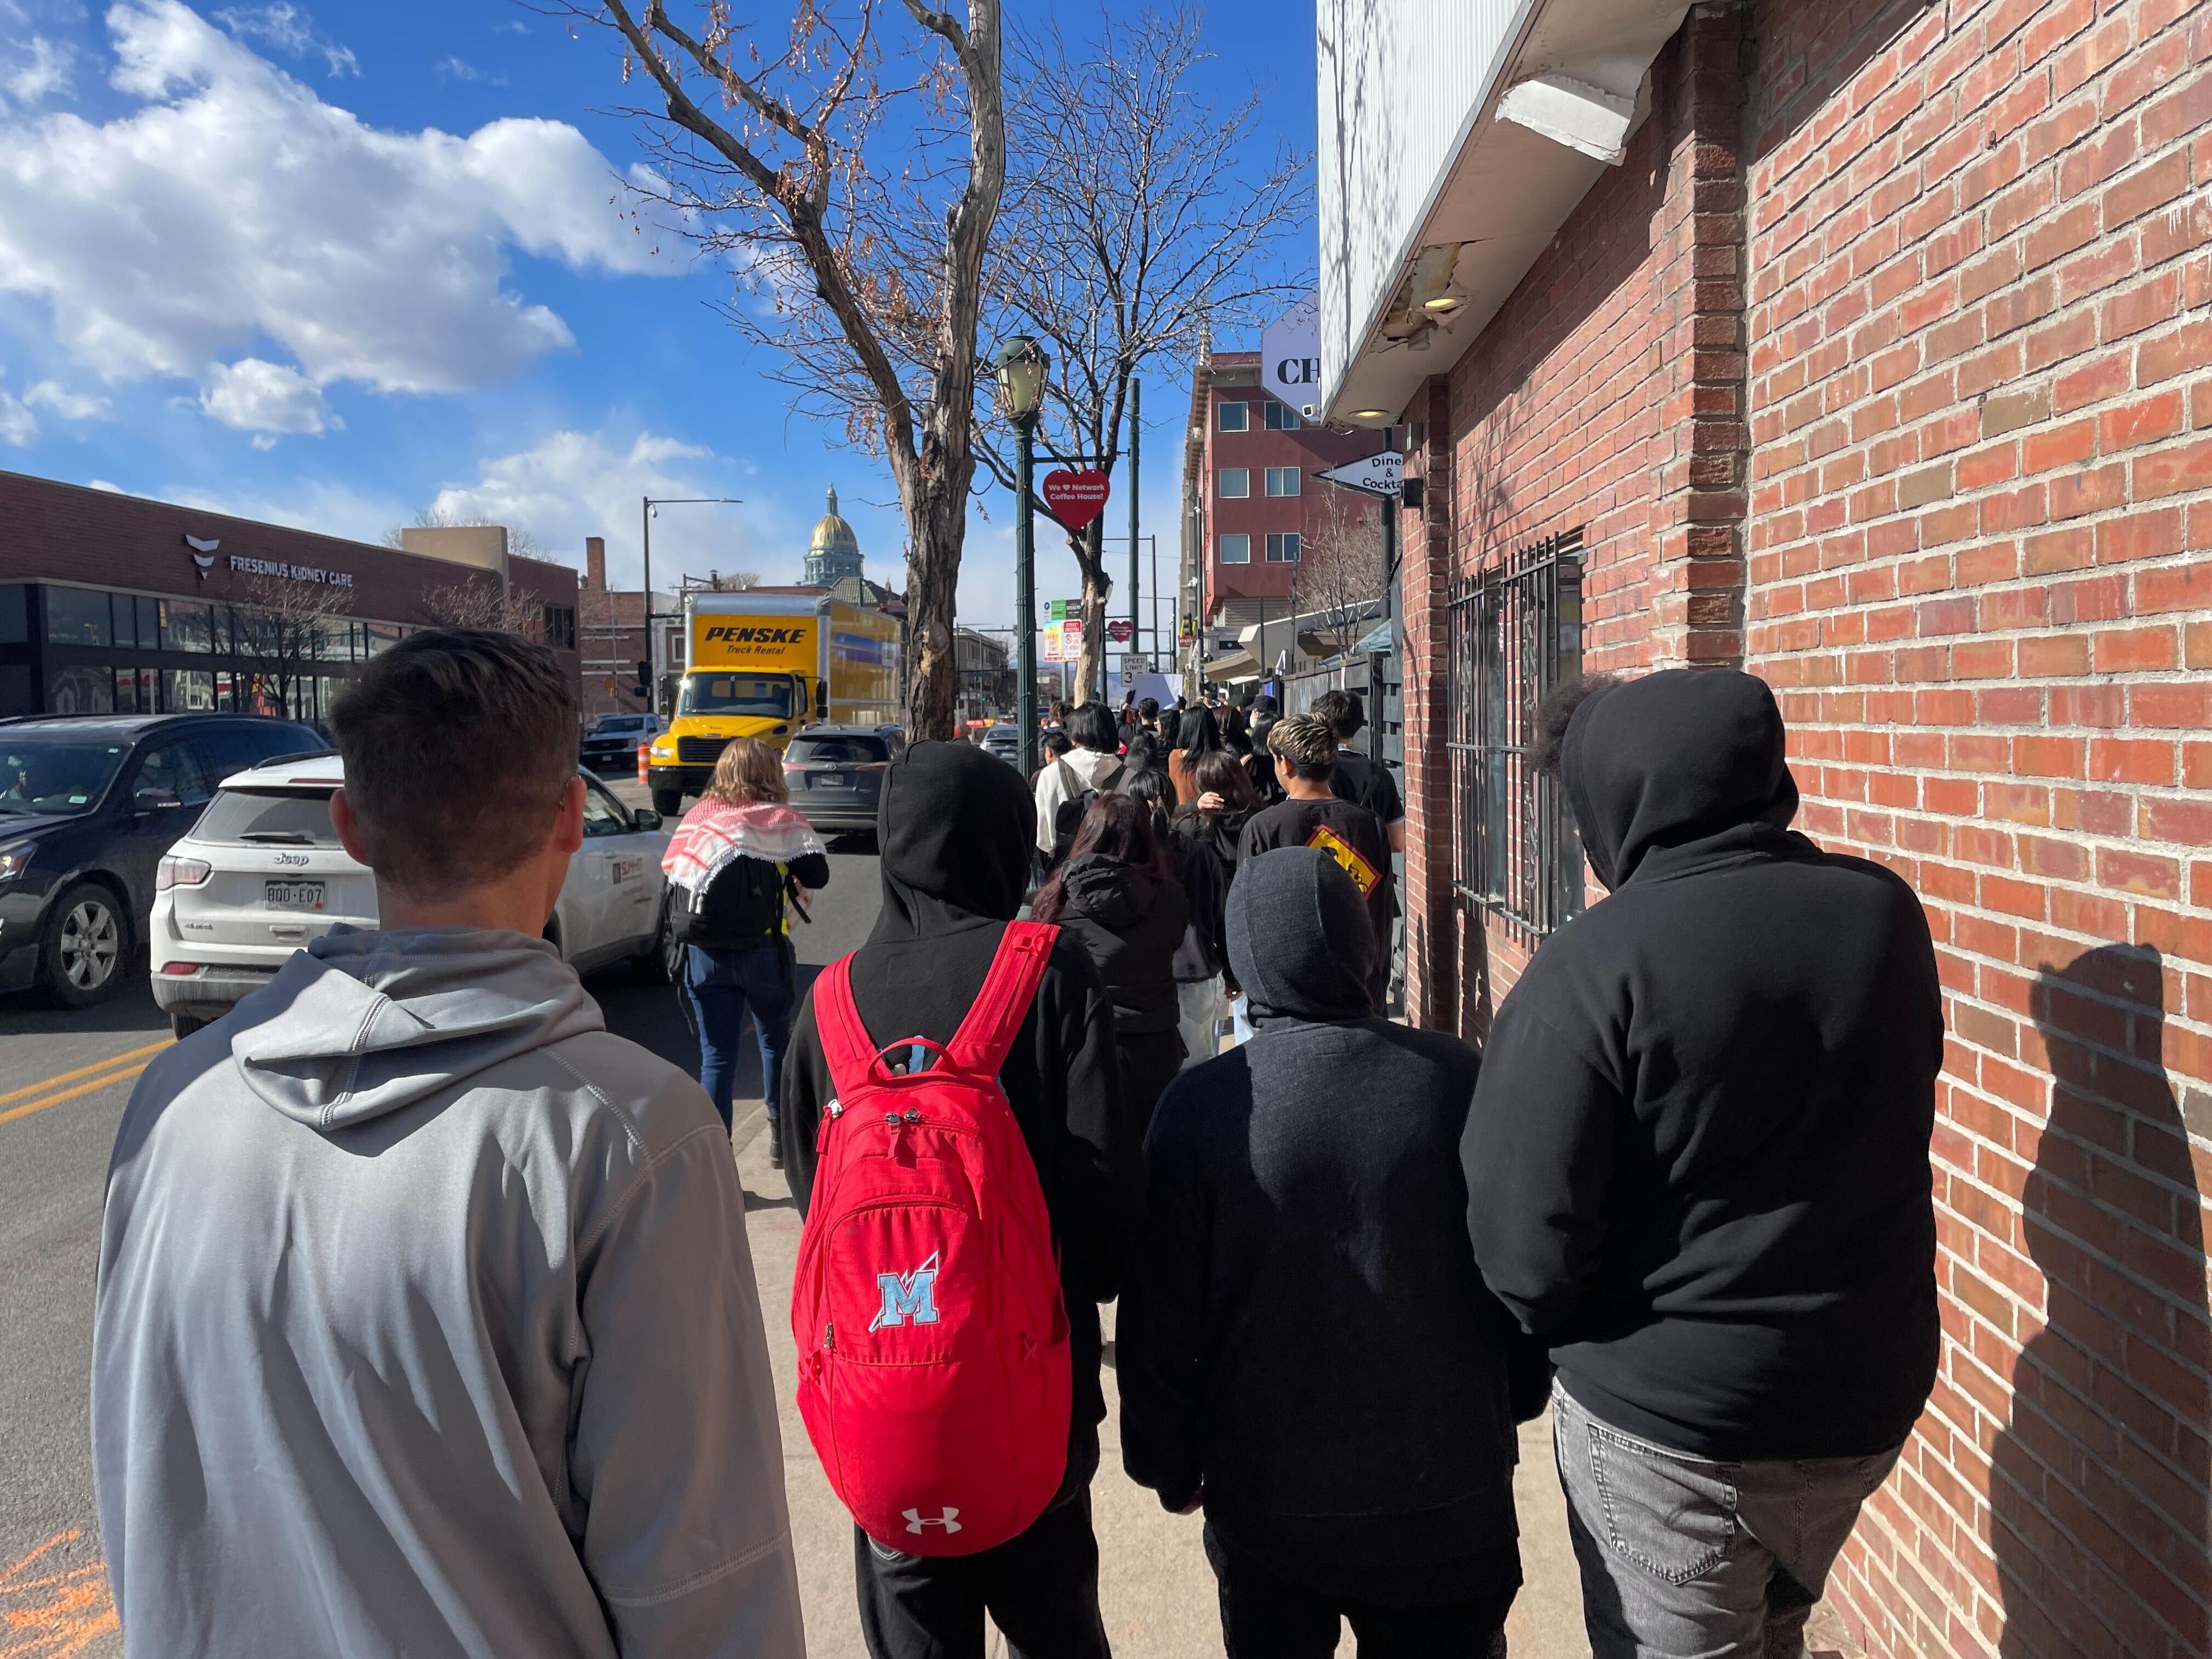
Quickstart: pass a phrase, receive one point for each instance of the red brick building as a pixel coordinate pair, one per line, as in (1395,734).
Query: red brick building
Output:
(1253,502)
(1879,363)
(114,604)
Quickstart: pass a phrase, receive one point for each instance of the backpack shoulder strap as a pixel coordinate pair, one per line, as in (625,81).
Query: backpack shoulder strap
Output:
(846,1044)
(1071,781)
(981,1044)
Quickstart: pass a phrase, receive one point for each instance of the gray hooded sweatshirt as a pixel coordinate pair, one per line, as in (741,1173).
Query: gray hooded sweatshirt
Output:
(427,1326)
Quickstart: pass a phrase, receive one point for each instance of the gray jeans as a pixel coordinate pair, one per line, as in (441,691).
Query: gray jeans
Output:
(1686,1559)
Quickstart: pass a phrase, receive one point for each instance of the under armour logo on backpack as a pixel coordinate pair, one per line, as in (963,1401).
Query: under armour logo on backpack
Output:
(946,1518)
(913,1297)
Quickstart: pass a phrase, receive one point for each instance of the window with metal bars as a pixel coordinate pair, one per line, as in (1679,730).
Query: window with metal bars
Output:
(1514,633)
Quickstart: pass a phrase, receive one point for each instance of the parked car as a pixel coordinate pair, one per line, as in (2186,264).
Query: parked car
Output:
(836,774)
(89,803)
(1004,741)
(262,873)
(610,748)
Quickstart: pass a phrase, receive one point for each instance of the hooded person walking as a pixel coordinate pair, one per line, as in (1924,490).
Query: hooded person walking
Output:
(1697,1167)
(1305,1348)
(1119,894)
(955,830)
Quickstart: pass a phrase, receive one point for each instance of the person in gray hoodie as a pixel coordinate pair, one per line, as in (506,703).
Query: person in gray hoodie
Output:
(425,1319)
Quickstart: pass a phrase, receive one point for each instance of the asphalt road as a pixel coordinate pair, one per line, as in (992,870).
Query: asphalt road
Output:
(64,1078)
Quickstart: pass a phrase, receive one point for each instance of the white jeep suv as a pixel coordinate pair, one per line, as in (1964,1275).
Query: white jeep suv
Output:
(262,873)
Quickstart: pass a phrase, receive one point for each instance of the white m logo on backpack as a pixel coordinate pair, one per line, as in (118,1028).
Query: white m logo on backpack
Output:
(913,1297)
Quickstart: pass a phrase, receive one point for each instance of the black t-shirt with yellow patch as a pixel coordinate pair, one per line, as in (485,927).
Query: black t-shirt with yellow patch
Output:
(1351,835)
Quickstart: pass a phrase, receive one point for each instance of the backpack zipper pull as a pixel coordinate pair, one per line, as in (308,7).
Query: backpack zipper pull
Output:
(834,1109)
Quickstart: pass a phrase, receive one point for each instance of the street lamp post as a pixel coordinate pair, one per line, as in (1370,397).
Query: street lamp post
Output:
(647,511)
(1023,366)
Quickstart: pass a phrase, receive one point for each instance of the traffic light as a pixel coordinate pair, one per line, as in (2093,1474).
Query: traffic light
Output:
(644,686)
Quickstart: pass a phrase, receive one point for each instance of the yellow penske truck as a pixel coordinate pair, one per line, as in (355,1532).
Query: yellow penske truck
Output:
(765,666)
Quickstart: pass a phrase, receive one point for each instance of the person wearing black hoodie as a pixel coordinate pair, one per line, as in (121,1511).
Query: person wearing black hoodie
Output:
(1305,1348)
(954,828)
(1697,1166)
(1117,893)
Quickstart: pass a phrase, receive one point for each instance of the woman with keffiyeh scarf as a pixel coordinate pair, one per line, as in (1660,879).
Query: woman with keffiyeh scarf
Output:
(733,859)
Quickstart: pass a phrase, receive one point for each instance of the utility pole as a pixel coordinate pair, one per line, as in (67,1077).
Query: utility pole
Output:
(1025,708)
(1136,429)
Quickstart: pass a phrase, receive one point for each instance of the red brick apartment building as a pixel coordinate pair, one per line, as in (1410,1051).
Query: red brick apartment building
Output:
(1249,461)
(1869,347)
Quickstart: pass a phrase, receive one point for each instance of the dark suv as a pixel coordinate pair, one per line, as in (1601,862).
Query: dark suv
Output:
(89,803)
(836,774)
(610,749)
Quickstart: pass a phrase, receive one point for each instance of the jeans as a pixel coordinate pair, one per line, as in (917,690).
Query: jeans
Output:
(1041,1589)
(1204,1005)
(722,988)
(1684,1556)
(1266,1617)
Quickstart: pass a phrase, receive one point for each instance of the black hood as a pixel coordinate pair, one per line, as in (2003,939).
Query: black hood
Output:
(1675,757)
(955,828)
(1113,894)
(1299,938)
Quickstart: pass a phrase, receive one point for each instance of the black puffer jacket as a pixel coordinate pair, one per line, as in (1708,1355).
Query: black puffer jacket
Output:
(1207,851)
(1131,923)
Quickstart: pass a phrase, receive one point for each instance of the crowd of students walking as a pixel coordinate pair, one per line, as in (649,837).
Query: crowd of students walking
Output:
(427,1322)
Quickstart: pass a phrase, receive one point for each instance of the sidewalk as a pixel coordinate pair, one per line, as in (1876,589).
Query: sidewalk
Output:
(1157,1590)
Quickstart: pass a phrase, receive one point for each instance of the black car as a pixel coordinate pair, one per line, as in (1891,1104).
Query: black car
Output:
(610,748)
(836,774)
(89,803)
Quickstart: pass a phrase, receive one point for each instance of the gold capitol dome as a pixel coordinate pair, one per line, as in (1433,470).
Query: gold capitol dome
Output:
(834,551)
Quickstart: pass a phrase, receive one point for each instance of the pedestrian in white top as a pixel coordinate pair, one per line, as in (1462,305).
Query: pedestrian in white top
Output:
(1090,727)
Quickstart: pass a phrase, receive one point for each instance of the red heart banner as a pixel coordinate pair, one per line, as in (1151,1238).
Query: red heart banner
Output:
(1077,498)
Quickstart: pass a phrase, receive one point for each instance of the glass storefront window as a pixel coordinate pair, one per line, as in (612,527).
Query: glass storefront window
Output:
(184,626)
(14,615)
(77,616)
(15,688)
(380,637)
(149,623)
(81,690)
(188,690)
(136,691)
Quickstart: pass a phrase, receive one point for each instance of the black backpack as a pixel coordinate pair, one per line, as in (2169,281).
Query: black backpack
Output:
(1067,817)
(741,905)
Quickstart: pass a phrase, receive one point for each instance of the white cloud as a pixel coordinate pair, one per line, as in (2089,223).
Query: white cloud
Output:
(291,31)
(18,426)
(233,209)
(256,396)
(572,484)
(37,69)
(69,406)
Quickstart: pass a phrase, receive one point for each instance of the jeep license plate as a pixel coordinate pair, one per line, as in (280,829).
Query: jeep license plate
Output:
(296,894)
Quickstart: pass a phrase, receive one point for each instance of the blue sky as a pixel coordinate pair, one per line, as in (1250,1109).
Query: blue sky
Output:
(330,265)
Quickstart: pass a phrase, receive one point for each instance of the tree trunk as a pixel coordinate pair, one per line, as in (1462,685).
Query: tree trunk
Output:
(1088,545)
(936,521)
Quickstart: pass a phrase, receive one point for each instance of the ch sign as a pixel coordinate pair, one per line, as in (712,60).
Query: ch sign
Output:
(1290,355)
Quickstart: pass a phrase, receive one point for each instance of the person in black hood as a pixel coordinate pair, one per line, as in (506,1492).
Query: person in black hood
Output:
(954,828)
(1305,1347)
(1698,1167)
(1118,894)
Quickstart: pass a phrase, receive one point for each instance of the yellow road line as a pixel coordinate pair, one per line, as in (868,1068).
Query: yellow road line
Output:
(60,1078)
(44,1101)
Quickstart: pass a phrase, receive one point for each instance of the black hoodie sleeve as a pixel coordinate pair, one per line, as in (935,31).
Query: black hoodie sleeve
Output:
(1100,1159)
(1158,1336)
(1538,1152)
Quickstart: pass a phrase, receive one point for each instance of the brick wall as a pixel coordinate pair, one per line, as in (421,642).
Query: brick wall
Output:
(1978,582)
(1885,360)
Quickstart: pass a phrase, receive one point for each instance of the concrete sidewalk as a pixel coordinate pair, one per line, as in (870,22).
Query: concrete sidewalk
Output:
(1157,1590)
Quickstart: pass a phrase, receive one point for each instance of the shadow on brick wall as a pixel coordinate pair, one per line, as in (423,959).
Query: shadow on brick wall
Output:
(2100,1484)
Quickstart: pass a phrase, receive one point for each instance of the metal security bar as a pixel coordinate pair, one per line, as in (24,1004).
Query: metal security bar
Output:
(1514,632)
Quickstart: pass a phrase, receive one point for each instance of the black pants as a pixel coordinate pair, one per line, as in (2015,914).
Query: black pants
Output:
(1041,1589)
(1264,1617)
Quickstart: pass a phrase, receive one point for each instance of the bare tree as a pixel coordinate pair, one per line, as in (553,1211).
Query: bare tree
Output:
(1340,575)
(859,249)
(284,628)
(482,600)
(1139,230)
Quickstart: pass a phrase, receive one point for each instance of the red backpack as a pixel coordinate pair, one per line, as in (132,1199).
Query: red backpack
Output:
(933,1342)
